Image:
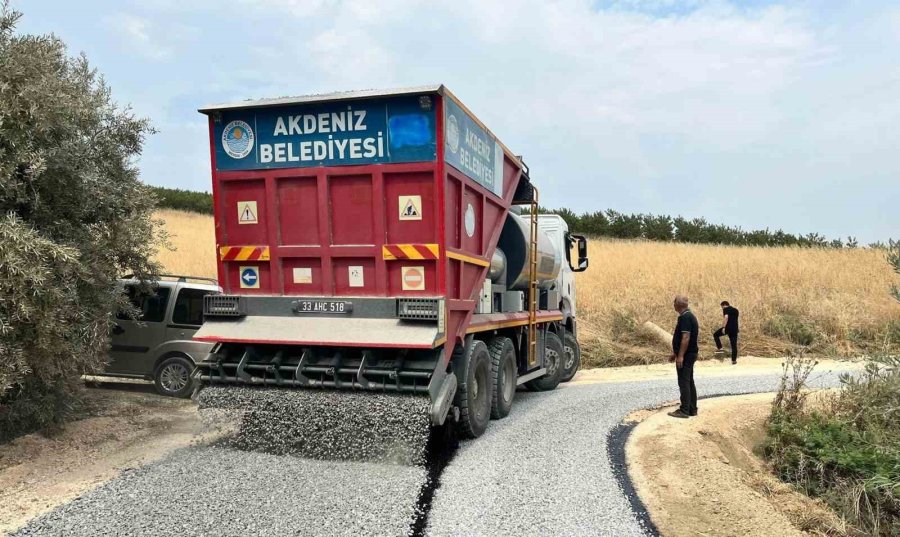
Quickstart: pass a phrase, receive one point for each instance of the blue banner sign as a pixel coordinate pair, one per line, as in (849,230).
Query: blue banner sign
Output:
(471,149)
(372,131)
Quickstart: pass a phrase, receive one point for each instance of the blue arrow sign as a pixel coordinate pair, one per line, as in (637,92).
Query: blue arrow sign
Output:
(249,277)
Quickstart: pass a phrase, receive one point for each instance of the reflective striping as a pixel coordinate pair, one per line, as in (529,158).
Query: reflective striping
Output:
(392,252)
(244,253)
(468,259)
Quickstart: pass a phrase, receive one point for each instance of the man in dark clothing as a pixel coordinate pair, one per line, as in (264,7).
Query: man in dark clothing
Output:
(684,354)
(730,328)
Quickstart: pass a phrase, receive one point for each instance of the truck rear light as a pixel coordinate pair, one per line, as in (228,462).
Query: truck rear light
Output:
(419,309)
(223,306)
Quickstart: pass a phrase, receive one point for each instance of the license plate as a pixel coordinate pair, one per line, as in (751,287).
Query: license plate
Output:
(324,306)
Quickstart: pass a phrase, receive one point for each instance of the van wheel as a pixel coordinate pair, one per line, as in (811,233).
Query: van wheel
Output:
(504,371)
(553,359)
(473,396)
(572,359)
(173,377)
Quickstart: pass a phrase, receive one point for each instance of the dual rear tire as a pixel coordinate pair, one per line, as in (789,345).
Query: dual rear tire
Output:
(487,379)
(473,394)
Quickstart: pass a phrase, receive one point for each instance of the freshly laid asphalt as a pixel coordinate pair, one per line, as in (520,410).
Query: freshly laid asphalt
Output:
(544,470)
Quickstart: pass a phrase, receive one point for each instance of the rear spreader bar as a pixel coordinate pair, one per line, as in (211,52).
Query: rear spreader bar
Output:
(345,369)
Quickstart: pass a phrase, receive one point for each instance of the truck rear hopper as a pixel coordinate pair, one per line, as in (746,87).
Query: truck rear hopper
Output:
(355,232)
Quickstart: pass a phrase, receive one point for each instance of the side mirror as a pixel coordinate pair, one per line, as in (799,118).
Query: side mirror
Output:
(118,330)
(581,242)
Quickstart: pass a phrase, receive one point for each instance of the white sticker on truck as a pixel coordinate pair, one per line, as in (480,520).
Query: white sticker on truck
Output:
(247,212)
(410,207)
(303,275)
(355,276)
(413,278)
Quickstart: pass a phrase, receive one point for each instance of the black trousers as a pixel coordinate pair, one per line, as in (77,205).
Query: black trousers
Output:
(732,339)
(686,385)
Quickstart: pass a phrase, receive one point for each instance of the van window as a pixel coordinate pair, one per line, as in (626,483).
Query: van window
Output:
(152,306)
(189,307)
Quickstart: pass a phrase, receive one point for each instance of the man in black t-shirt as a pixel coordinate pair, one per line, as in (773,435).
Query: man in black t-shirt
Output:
(684,354)
(730,328)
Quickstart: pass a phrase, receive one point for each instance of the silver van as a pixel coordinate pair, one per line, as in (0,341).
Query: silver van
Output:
(158,346)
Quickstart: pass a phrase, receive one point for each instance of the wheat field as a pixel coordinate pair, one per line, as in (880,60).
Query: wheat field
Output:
(832,302)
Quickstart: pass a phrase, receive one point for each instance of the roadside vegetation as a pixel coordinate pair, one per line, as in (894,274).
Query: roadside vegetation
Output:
(845,449)
(73,217)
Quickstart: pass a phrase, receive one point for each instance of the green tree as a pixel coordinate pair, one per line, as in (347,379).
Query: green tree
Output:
(74,217)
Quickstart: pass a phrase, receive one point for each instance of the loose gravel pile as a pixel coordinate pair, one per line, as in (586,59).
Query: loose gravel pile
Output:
(216,491)
(324,424)
(542,471)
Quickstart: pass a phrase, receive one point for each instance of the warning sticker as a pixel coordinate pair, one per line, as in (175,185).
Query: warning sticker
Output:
(247,212)
(410,207)
(302,275)
(413,278)
(249,277)
(355,275)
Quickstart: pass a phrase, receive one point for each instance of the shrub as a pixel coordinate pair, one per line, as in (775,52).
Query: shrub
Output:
(74,217)
(792,327)
(847,451)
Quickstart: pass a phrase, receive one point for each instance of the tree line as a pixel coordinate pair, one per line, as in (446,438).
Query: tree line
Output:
(665,228)
(183,200)
(607,223)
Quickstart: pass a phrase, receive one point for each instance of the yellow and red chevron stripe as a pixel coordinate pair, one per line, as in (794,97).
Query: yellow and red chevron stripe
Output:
(244,253)
(410,251)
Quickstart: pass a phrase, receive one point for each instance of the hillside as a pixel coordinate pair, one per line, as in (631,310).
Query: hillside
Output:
(834,301)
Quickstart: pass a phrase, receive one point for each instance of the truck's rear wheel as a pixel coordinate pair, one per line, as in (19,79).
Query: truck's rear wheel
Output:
(473,396)
(503,376)
(572,358)
(553,358)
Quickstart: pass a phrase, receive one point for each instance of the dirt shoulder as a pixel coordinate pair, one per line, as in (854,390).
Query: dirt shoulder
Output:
(701,477)
(129,427)
(749,365)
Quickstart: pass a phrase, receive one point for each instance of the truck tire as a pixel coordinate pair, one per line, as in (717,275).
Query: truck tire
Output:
(473,395)
(173,377)
(553,358)
(504,371)
(572,359)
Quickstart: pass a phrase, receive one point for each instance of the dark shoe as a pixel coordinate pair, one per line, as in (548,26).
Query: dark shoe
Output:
(734,362)
(692,414)
(679,414)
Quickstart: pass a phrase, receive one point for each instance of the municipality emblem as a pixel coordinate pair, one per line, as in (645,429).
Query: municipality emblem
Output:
(237,139)
(453,133)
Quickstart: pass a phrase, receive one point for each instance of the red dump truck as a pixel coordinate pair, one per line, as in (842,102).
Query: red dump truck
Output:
(385,241)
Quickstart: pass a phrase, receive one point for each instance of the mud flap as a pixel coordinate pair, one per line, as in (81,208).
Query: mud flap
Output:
(441,405)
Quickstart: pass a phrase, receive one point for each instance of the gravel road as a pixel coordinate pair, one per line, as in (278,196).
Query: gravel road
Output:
(545,471)
(542,471)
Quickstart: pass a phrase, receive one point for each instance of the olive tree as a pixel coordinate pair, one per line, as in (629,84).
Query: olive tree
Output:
(74,216)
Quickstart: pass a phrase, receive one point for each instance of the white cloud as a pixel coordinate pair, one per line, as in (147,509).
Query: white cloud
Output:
(739,114)
(137,32)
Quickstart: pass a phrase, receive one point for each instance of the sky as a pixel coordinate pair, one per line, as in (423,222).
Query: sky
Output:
(754,113)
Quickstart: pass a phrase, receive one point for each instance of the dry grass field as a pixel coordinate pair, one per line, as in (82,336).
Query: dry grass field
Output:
(833,302)
(193,241)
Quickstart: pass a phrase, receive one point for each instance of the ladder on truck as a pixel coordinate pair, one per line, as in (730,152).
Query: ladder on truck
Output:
(532,281)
